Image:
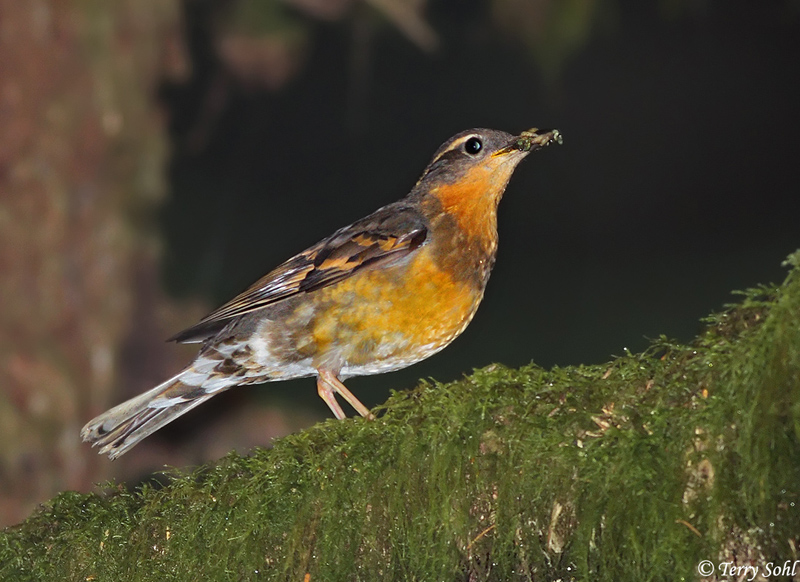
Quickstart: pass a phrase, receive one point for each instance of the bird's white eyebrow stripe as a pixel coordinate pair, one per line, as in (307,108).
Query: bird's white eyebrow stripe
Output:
(453,146)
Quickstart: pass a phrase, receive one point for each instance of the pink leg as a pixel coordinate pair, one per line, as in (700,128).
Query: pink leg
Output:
(327,384)
(325,392)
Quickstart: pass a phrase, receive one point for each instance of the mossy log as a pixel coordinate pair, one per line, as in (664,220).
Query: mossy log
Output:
(634,470)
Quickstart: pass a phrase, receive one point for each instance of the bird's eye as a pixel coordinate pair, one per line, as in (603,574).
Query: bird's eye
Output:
(473,146)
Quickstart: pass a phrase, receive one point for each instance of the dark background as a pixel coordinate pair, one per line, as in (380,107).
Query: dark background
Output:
(676,184)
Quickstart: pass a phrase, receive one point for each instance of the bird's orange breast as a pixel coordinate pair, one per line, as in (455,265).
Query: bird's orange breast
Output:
(385,318)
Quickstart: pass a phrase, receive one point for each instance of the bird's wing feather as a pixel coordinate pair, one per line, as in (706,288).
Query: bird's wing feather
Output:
(387,235)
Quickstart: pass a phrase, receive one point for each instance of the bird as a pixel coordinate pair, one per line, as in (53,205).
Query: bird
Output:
(376,296)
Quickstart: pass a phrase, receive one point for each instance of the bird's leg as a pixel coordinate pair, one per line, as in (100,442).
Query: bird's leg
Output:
(327,384)
(325,391)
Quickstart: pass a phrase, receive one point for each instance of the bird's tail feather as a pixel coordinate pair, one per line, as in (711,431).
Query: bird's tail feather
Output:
(120,428)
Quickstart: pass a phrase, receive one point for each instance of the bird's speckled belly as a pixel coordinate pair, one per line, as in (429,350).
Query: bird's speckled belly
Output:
(380,320)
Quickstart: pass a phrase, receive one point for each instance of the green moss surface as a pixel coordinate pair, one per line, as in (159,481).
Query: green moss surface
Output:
(634,470)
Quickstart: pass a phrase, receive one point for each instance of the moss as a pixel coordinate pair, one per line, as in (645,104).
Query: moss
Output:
(634,470)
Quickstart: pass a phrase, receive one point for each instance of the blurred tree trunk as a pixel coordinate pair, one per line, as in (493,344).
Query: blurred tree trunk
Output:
(82,156)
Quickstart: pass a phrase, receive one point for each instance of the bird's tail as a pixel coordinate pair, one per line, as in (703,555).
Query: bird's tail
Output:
(120,428)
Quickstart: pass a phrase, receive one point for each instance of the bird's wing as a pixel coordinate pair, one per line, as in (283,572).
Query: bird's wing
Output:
(385,236)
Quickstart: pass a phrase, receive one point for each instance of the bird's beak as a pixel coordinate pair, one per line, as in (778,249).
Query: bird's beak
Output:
(530,140)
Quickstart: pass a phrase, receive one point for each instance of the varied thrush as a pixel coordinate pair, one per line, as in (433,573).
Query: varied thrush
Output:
(378,295)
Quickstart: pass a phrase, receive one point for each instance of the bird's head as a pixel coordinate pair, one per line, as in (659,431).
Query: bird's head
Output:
(470,171)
